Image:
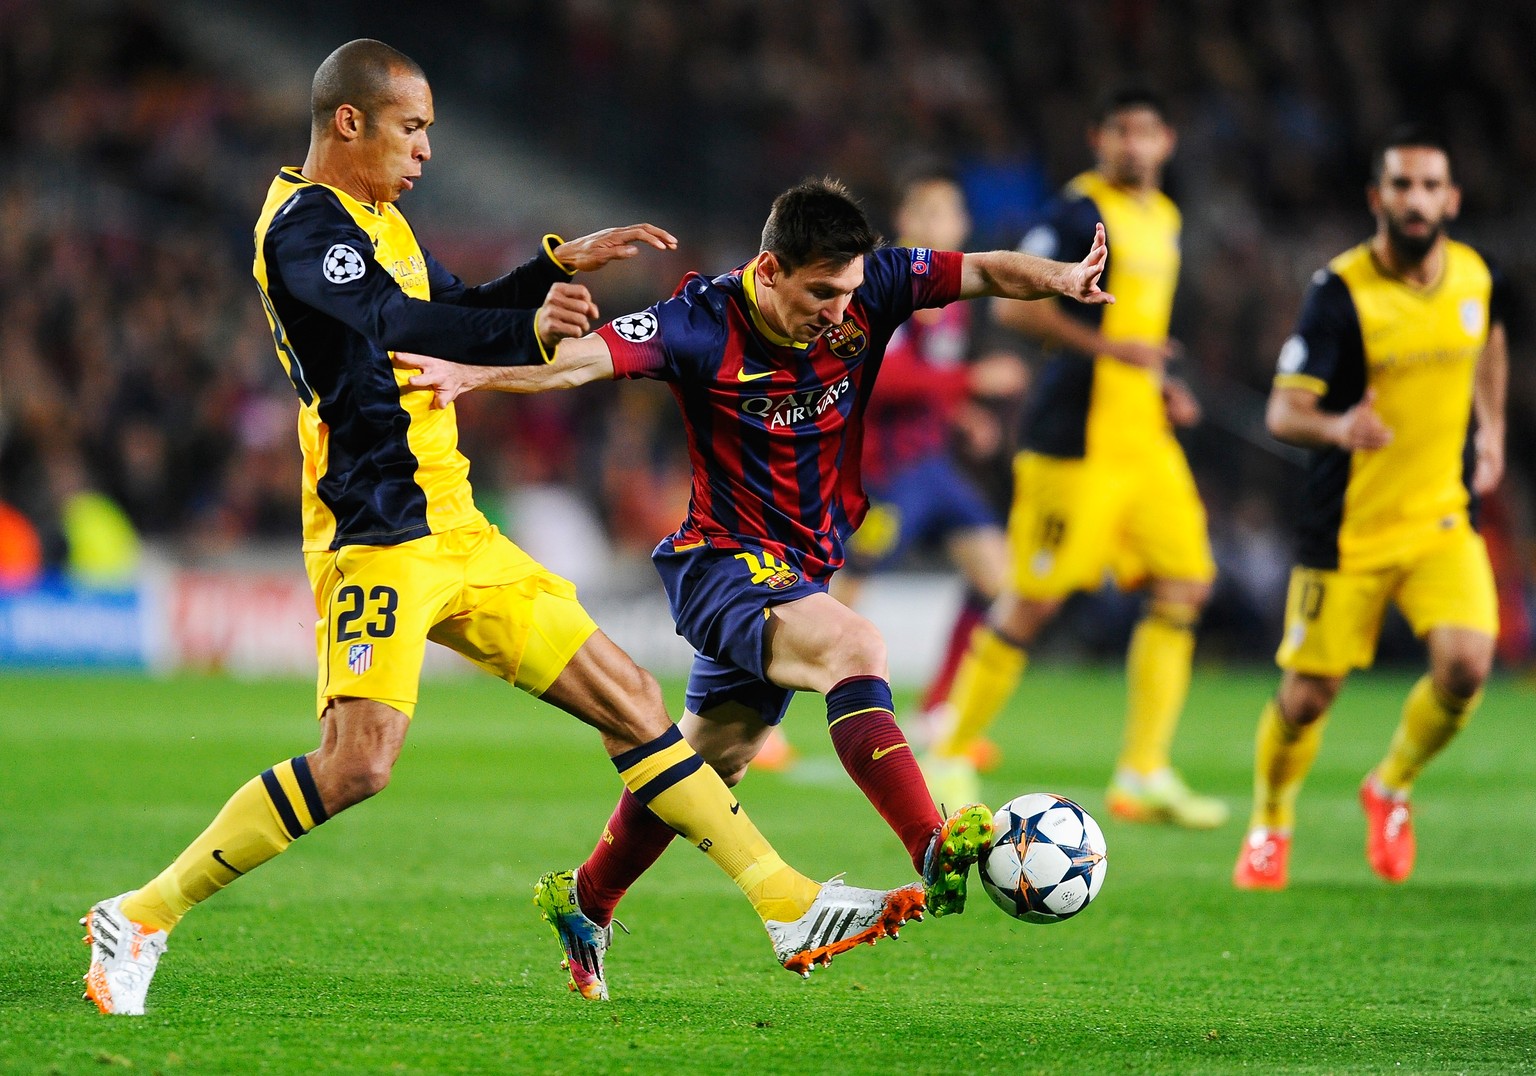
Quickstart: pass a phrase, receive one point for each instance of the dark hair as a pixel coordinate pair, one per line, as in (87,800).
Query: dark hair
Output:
(1130,96)
(359,74)
(1408,134)
(817,220)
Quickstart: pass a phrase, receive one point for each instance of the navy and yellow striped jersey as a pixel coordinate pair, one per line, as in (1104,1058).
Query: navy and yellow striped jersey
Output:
(775,428)
(1360,328)
(1101,405)
(344,284)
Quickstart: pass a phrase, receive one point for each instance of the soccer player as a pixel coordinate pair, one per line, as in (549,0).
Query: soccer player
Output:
(918,492)
(1400,342)
(772,365)
(1101,483)
(398,553)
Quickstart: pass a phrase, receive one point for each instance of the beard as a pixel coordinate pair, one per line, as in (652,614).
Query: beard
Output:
(1412,249)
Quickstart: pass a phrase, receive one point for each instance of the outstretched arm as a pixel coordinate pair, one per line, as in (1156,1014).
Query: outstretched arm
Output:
(576,362)
(1010,274)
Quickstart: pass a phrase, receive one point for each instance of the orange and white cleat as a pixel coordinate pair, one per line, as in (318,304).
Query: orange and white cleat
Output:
(1264,862)
(1390,846)
(841,917)
(124,955)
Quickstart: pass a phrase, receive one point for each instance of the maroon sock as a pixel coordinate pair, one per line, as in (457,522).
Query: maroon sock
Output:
(633,840)
(875,754)
(972,613)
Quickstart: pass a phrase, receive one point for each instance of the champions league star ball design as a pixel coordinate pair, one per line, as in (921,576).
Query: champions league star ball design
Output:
(342,264)
(636,328)
(1048,859)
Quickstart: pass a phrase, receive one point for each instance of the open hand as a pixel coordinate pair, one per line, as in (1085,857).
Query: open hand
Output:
(594,251)
(445,380)
(1082,280)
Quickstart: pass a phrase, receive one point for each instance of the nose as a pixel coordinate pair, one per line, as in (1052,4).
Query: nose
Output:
(424,150)
(832,314)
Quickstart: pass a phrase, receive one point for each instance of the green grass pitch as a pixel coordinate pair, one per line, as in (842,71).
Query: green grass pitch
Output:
(401,936)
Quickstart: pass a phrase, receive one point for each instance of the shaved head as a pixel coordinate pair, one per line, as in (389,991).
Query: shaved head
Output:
(360,74)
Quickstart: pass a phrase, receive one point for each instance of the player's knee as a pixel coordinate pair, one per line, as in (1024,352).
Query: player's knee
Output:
(348,781)
(731,771)
(859,651)
(1464,674)
(1304,700)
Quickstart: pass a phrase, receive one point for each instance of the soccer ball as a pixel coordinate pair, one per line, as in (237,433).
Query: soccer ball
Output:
(1048,859)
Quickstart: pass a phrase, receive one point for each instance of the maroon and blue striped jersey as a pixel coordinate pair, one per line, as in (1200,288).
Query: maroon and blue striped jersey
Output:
(775,429)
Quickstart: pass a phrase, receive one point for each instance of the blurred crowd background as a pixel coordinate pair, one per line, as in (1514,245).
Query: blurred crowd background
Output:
(142,407)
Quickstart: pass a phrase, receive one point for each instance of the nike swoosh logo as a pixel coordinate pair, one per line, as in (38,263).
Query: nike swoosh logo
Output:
(218,855)
(881,752)
(742,375)
(735,808)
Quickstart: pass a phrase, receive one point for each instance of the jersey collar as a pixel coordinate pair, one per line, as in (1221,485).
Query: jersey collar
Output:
(760,323)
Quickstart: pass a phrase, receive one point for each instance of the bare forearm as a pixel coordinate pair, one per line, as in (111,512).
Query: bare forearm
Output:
(1492,385)
(1010,274)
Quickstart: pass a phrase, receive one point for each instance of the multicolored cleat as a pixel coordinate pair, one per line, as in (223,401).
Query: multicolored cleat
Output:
(1164,797)
(961,841)
(1264,861)
(1390,846)
(841,917)
(583,941)
(124,955)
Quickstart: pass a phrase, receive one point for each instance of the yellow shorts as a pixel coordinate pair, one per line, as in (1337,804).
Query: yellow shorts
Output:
(470,589)
(1333,619)
(1075,520)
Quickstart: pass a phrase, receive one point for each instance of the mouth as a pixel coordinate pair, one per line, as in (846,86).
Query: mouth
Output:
(409,182)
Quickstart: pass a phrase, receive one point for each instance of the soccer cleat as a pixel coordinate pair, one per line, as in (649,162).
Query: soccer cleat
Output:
(1389,840)
(1264,861)
(962,839)
(123,958)
(1163,797)
(583,941)
(841,917)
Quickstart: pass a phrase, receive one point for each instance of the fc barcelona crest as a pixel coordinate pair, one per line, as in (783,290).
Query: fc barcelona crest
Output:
(846,340)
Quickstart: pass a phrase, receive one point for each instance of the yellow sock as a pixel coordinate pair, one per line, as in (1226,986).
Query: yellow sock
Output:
(1283,755)
(259,822)
(988,676)
(671,779)
(1157,683)
(1430,719)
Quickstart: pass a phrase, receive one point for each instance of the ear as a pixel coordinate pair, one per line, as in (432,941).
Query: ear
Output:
(768,269)
(349,122)
(1453,203)
(1373,198)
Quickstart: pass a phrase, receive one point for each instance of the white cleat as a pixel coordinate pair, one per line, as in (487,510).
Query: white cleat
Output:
(841,917)
(124,955)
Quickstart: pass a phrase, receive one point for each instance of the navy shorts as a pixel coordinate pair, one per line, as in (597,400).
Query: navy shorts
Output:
(720,600)
(924,503)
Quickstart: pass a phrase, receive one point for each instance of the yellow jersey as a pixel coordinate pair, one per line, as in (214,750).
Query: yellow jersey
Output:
(344,284)
(1418,348)
(1102,406)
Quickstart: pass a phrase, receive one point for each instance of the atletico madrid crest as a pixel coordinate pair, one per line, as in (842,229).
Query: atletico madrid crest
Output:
(360,658)
(845,340)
